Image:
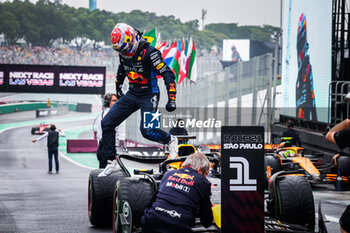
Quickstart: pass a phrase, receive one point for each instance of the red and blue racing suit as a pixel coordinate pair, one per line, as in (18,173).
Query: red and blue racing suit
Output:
(181,195)
(142,70)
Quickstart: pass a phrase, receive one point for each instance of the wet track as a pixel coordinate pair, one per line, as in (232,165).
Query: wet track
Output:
(33,201)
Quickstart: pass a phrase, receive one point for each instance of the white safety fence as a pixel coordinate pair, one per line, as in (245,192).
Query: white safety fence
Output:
(241,94)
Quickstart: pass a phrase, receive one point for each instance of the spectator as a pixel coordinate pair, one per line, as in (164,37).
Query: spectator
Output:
(181,192)
(58,56)
(52,145)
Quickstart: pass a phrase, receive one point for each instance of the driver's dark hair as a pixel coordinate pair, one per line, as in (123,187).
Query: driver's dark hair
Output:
(53,127)
(197,160)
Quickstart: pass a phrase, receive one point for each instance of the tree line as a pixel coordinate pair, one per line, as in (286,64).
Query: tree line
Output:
(42,23)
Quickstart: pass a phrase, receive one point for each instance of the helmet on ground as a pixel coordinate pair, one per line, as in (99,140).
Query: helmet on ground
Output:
(124,40)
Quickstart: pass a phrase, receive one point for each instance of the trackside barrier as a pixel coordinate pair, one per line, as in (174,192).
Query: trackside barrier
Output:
(81,145)
(17,107)
(51,111)
(29,106)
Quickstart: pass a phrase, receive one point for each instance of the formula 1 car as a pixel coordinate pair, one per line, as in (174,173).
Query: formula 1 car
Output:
(290,204)
(40,129)
(292,158)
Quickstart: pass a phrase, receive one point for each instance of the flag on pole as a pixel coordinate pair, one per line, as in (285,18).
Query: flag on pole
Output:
(175,64)
(191,61)
(158,42)
(151,37)
(183,59)
(161,47)
(169,54)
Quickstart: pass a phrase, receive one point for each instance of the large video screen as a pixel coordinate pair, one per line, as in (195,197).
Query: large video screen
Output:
(306,64)
(52,79)
(236,50)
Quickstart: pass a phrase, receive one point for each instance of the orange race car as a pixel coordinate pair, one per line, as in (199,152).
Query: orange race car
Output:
(288,157)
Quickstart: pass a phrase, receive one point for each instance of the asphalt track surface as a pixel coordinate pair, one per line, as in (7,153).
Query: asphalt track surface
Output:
(31,200)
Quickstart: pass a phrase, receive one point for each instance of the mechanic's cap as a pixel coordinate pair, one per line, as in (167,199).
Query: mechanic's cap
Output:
(344,220)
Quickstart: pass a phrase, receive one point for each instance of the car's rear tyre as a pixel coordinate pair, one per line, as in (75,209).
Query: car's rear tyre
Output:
(100,197)
(274,163)
(343,164)
(138,192)
(33,131)
(294,201)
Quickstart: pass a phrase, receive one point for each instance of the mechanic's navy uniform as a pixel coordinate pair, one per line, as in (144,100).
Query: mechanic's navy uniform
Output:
(182,193)
(342,138)
(143,94)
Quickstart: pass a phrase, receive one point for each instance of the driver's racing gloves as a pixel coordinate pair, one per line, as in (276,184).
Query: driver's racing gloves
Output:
(171,105)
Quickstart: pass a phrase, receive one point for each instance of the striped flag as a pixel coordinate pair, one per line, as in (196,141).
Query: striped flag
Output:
(191,64)
(183,59)
(175,64)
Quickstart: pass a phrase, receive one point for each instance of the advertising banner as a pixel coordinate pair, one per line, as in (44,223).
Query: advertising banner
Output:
(242,182)
(52,79)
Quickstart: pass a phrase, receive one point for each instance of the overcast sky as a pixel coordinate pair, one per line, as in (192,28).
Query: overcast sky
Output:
(243,12)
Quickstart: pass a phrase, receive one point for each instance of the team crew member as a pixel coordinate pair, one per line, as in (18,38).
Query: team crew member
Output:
(141,63)
(52,145)
(108,100)
(344,221)
(340,134)
(181,192)
(179,130)
(290,132)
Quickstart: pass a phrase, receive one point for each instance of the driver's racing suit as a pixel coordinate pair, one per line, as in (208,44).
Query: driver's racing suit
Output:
(143,94)
(181,194)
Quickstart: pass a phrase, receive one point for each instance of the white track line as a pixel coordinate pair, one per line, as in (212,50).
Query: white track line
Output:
(72,161)
(13,127)
(331,219)
(64,156)
(98,99)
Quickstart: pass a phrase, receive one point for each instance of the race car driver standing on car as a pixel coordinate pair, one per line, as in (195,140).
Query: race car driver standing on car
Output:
(180,195)
(141,63)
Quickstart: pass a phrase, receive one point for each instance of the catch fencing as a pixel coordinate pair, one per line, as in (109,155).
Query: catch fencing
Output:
(241,94)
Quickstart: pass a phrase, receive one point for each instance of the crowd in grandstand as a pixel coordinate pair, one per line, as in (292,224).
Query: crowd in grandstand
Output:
(208,62)
(58,56)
